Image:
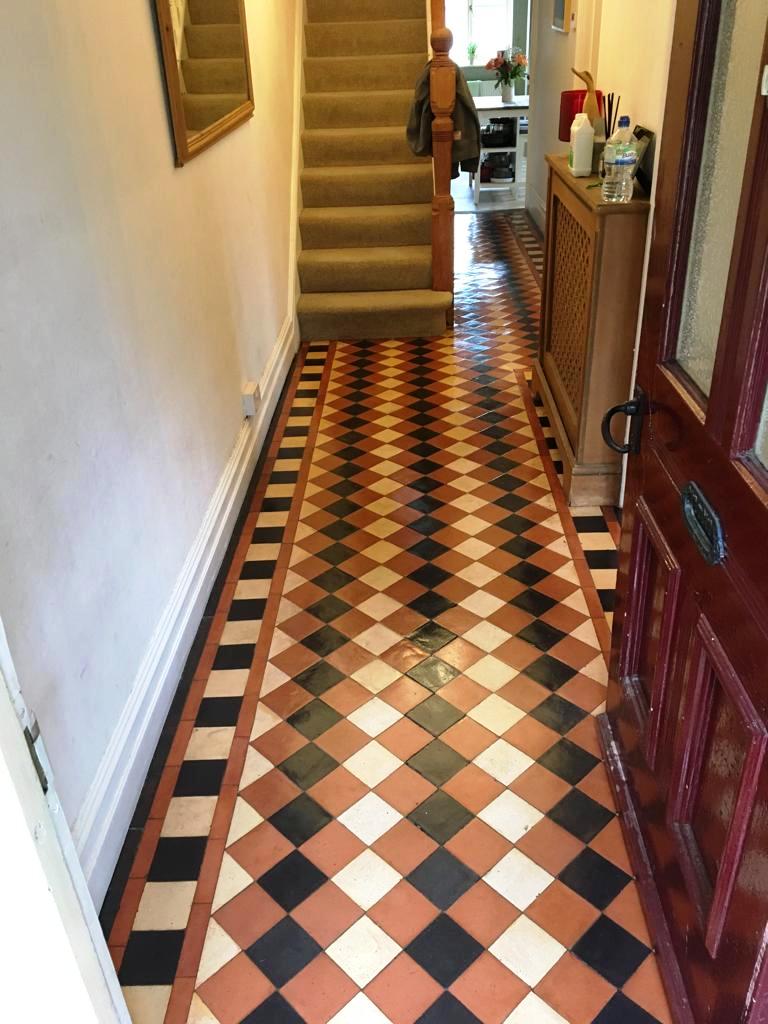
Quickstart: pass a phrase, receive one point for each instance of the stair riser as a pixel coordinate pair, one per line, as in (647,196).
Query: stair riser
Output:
(214,41)
(362,150)
(214,12)
(335,74)
(356,110)
(358,38)
(373,190)
(212,76)
(320,233)
(202,111)
(322,327)
(364,10)
(354,277)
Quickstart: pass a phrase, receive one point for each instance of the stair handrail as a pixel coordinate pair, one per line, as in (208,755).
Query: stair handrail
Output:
(443,103)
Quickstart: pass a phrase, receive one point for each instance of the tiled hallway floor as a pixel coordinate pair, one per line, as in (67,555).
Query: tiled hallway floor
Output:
(385,800)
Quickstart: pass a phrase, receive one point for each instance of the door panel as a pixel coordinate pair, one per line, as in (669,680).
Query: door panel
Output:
(686,730)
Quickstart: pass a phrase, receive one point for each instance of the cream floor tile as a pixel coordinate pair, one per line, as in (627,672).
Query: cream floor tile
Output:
(165,906)
(510,815)
(218,950)
(362,952)
(527,950)
(367,879)
(495,713)
(189,816)
(518,879)
(372,764)
(503,761)
(147,1004)
(370,818)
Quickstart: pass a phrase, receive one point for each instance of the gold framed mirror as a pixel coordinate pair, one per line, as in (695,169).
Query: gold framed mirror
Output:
(207,70)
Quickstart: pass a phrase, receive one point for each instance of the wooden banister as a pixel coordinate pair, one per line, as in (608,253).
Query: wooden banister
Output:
(443,101)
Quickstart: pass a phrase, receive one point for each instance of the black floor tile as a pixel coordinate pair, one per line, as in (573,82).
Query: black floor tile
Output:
(533,602)
(274,1010)
(308,765)
(549,671)
(580,815)
(435,714)
(429,549)
(559,714)
(429,576)
(314,719)
(432,637)
(431,604)
(328,608)
(257,570)
(444,950)
(325,641)
(285,950)
(151,958)
(433,673)
(440,816)
(233,656)
(590,524)
(622,1010)
(568,761)
(595,878)
(218,712)
(610,950)
(521,547)
(300,819)
(437,762)
(292,880)
(200,778)
(442,878)
(543,636)
(319,678)
(333,580)
(526,573)
(248,610)
(448,1010)
(178,859)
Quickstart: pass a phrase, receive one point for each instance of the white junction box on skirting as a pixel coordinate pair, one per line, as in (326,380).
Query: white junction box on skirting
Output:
(251,398)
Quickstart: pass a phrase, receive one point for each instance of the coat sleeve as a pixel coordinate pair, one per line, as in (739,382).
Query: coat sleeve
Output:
(419,130)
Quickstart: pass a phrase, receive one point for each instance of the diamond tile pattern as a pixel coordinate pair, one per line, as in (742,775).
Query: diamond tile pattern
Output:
(400,812)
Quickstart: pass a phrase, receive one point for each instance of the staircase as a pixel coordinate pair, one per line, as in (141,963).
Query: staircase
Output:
(366,227)
(213,70)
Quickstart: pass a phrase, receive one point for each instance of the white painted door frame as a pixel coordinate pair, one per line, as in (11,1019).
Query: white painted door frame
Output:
(56,965)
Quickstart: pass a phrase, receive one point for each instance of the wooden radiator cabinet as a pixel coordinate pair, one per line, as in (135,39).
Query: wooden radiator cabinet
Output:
(592,277)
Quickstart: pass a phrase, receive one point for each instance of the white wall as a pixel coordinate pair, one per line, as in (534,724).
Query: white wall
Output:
(135,300)
(553,54)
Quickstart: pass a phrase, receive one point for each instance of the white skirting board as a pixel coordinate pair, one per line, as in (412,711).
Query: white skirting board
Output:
(103,822)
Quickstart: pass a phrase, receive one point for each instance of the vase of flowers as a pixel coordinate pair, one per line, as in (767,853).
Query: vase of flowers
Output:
(509,65)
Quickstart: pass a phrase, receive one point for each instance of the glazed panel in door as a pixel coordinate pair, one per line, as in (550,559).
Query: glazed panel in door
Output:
(687,725)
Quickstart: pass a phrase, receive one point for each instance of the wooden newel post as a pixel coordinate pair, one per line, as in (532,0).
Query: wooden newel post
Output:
(443,101)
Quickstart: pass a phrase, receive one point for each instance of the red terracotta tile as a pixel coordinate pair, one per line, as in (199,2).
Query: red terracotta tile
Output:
(403,913)
(260,849)
(483,913)
(489,990)
(404,738)
(332,848)
(271,792)
(338,791)
(404,846)
(327,914)
(404,694)
(550,846)
(627,911)
(319,991)
(473,788)
(290,696)
(234,991)
(405,789)
(540,787)
(463,693)
(610,844)
(530,736)
(468,738)
(645,987)
(249,915)
(563,913)
(575,990)
(403,991)
(279,743)
(347,696)
(478,846)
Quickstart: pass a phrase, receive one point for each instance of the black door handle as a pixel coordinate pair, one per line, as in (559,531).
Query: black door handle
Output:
(703,524)
(635,409)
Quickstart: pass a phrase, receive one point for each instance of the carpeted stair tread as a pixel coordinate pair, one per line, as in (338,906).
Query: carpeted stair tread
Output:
(358,226)
(214,40)
(396,314)
(344,38)
(377,268)
(394,184)
(333,147)
(214,12)
(214,74)
(357,110)
(202,109)
(363,10)
(364,74)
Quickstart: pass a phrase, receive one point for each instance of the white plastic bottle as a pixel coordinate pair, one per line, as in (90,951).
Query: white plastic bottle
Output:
(620,158)
(582,144)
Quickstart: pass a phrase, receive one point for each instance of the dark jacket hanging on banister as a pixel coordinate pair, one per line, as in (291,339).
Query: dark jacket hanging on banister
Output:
(466,143)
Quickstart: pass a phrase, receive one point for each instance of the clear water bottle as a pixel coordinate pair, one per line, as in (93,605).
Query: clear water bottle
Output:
(620,159)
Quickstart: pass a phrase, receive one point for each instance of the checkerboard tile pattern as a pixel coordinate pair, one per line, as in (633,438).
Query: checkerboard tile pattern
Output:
(385,801)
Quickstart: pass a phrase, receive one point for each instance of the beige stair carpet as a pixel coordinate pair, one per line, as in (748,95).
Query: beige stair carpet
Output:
(366,265)
(213,70)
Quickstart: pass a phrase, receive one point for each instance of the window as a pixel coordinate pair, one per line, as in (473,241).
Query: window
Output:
(492,25)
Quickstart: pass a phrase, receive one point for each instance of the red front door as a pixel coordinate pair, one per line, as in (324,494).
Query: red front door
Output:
(686,729)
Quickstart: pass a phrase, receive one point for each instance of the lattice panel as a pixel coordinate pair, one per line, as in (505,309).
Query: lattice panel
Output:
(571,286)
